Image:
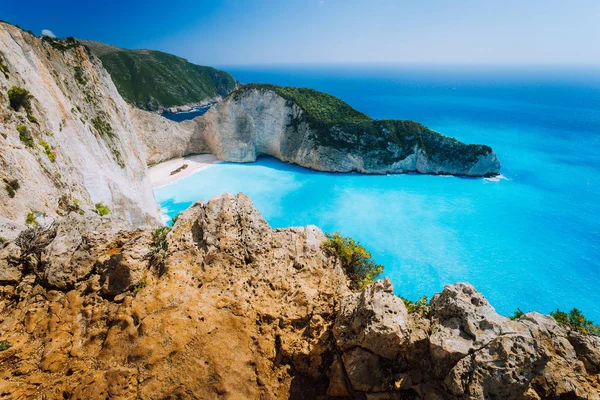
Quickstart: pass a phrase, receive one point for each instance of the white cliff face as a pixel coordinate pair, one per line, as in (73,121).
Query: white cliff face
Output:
(256,122)
(163,139)
(260,122)
(82,121)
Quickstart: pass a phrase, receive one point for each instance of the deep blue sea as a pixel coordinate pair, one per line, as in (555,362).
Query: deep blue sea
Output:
(528,240)
(185,115)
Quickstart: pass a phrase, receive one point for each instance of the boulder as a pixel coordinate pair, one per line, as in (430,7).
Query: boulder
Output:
(374,319)
(10,264)
(80,241)
(125,267)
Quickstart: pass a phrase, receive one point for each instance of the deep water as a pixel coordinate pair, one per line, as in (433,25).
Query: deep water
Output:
(530,240)
(185,115)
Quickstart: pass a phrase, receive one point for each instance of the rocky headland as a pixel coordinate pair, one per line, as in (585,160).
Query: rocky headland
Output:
(313,130)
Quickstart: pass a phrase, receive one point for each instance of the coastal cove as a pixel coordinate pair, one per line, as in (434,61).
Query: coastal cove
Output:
(527,239)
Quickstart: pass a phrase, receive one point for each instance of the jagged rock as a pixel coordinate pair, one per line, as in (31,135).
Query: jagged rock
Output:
(465,322)
(10,263)
(125,268)
(238,307)
(338,381)
(366,371)
(80,241)
(240,310)
(374,319)
(588,350)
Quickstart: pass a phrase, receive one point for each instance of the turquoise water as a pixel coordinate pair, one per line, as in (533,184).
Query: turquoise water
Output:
(529,240)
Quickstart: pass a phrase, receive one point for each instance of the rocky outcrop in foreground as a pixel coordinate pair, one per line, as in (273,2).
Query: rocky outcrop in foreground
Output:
(226,307)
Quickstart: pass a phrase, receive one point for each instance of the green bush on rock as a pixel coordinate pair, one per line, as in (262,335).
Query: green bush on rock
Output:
(101,209)
(517,314)
(4,345)
(355,259)
(159,246)
(48,150)
(25,136)
(19,97)
(11,186)
(30,219)
(577,321)
(420,306)
(102,127)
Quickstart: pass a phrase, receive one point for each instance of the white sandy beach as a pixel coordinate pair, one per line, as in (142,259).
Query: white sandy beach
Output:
(160,174)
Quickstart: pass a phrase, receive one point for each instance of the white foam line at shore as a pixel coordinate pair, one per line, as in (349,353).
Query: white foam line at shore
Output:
(496,178)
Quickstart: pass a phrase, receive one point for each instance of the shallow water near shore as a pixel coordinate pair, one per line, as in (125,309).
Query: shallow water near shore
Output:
(529,239)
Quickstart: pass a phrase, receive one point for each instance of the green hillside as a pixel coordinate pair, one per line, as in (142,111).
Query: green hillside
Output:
(154,80)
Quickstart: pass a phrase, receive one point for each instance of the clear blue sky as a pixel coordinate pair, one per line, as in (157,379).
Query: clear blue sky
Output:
(231,32)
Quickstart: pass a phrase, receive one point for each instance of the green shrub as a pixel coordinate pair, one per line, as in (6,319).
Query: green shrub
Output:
(69,204)
(11,186)
(102,127)
(420,306)
(159,246)
(101,209)
(30,219)
(517,314)
(174,219)
(79,76)
(118,157)
(160,237)
(25,136)
(61,44)
(577,321)
(3,67)
(355,259)
(48,150)
(140,285)
(4,345)
(2,241)
(18,98)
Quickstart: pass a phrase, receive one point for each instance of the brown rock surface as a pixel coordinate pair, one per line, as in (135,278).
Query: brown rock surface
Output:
(239,310)
(234,309)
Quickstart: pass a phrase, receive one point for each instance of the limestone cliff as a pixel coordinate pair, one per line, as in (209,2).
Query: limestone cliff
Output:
(223,306)
(164,139)
(259,120)
(72,144)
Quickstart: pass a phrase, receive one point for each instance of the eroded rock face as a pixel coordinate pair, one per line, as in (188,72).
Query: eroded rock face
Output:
(260,122)
(243,127)
(78,143)
(236,309)
(473,353)
(375,320)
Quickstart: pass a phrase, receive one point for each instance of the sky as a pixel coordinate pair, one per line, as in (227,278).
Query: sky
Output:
(252,32)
